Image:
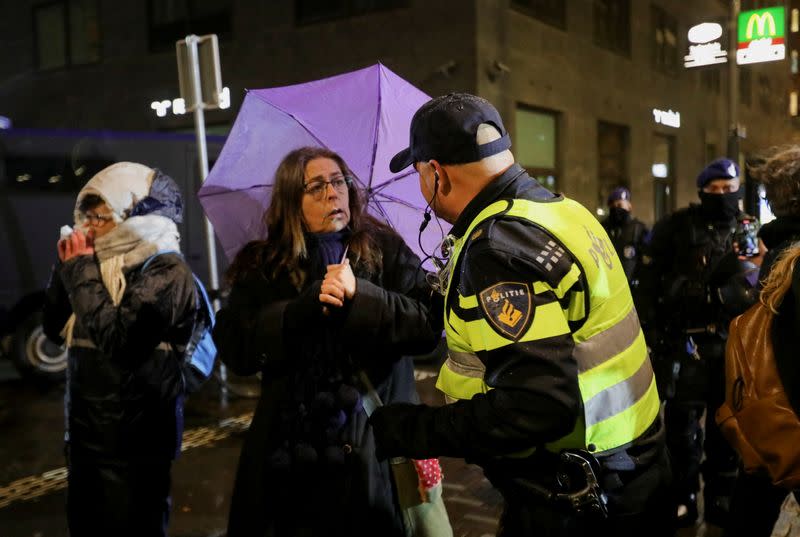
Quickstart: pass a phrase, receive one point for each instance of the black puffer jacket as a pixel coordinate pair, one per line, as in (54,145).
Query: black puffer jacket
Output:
(123,384)
(269,326)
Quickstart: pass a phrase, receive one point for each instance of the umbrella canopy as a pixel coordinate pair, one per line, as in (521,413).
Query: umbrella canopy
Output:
(364,116)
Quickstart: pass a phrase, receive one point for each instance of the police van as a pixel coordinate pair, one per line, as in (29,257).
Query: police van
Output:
(41,172)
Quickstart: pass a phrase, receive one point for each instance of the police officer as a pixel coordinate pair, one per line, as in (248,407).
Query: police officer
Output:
(551,387)
(627,233)
(689,264)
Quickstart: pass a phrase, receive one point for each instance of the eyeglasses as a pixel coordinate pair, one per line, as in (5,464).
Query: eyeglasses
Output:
(95,220)
(318,189)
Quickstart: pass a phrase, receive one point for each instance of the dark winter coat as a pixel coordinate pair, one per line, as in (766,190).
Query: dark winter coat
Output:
(269,326)
(123,380)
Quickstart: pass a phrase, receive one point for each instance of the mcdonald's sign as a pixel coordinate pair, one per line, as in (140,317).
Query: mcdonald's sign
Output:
(761,35)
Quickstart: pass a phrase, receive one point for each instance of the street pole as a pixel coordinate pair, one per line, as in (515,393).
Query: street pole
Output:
(733,83)
(202,155)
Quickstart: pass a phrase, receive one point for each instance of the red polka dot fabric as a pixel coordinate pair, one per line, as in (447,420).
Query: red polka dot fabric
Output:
(430,475)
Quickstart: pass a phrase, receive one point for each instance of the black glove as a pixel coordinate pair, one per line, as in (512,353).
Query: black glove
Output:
(394,427)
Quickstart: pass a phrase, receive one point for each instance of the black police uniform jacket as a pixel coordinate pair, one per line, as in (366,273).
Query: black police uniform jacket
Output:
(124,388)
(535,397)
(687,254)
(271,327)
(628,239)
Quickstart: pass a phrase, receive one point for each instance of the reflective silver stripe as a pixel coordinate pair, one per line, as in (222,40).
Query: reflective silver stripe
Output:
(465,364)
(89,344)
(607,344)
(620,396)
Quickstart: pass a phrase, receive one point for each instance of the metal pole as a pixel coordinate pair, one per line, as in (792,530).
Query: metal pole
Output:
(733,83)
(202,155)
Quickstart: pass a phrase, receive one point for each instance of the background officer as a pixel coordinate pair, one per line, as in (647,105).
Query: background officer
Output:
(627,233)
(547,364)
(692,283)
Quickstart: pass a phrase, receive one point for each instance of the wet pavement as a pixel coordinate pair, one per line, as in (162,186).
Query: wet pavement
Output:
(32,475)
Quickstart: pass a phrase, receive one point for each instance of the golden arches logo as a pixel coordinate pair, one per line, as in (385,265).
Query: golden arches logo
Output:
(760,23)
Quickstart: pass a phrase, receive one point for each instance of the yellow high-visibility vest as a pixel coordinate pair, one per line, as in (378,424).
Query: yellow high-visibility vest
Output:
(616,379)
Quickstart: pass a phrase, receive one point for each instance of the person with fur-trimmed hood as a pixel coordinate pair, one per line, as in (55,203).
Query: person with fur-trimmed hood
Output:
(120,321)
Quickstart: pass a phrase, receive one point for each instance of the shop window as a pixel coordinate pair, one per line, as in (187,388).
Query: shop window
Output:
(612,160)
(172,20)
(612,25)
(536,144)
(552,12)
(664,173)
(665,41)
(66,33)
(711,78)
(313,11)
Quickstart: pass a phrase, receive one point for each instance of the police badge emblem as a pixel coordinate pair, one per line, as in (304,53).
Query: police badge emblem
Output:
(508,308)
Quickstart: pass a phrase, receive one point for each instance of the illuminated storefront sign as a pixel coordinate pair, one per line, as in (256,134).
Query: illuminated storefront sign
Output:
(668,118)
(705,47)
(761,35)
(178,106)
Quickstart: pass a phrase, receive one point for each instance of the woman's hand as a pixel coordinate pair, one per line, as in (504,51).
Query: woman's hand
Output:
(75,245)
(339,285)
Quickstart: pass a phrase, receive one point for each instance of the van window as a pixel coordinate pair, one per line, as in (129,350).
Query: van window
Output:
(49,173)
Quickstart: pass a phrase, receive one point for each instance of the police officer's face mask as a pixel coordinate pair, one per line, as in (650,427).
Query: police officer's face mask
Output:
(720,206)
(618,215)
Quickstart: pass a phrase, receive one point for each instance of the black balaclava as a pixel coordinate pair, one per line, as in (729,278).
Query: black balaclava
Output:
(719,207)
(618,215)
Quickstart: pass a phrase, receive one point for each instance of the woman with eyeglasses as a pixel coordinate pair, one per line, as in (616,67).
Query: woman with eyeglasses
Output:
(121,310)
(329,296)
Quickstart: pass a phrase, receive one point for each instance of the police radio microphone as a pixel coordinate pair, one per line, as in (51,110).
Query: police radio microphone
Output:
(426,216)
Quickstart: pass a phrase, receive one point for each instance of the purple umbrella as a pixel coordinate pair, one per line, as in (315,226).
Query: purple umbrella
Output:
(364,116)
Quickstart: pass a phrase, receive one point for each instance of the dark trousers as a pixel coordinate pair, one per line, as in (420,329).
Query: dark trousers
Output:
(638,507)
(119,498)
(700,388)
(755,507)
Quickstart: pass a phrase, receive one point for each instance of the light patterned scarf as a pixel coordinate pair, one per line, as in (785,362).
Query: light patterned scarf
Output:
(126,247)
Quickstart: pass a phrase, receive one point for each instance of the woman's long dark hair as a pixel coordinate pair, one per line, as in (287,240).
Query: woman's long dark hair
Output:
(284,249)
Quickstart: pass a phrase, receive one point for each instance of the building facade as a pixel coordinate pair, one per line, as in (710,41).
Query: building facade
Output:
(594,92)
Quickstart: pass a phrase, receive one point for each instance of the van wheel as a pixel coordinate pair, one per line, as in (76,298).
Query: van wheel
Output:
(34,354)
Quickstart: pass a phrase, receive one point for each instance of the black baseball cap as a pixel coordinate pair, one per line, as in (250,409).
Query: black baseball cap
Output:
(445,129)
